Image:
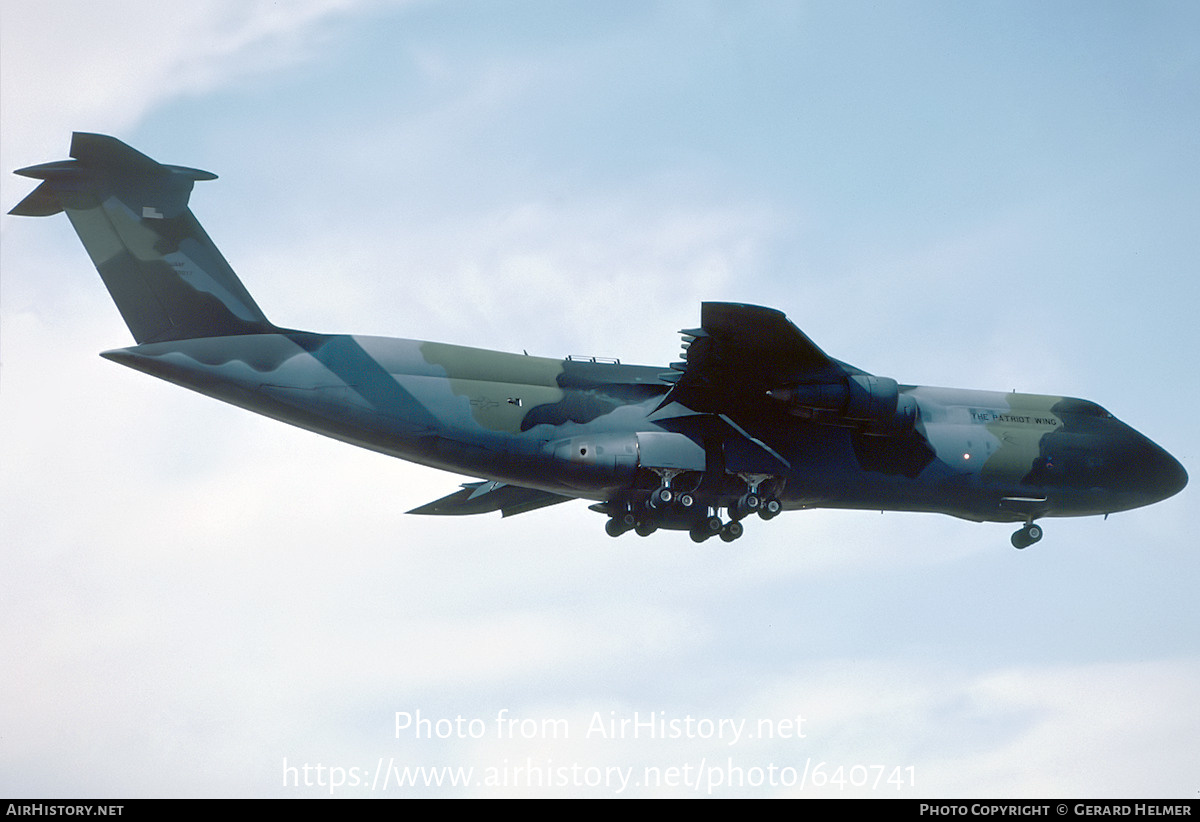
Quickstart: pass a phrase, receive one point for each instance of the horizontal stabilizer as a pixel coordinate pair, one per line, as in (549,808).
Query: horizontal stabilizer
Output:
(41,202)
(485,497)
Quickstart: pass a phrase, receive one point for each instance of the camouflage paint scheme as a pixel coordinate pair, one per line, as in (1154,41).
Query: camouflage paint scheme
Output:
(755,419)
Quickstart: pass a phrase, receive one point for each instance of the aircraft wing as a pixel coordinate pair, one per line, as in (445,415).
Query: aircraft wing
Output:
(485,497)
(739,353)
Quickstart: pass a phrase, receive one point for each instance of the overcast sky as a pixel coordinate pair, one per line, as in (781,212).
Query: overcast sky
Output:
(1003,196)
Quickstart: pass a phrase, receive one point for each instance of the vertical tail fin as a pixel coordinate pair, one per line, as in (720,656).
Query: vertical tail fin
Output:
(167,278)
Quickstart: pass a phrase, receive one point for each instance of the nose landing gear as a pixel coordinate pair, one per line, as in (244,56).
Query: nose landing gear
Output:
(1027,536)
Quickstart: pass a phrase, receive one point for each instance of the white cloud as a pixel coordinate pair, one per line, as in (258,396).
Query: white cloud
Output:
(613,276)
(101,66)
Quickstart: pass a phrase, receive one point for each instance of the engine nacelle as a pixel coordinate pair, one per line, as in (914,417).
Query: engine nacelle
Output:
(872,399)
(874,402)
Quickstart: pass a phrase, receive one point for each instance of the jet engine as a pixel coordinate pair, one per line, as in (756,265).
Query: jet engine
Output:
(874,403)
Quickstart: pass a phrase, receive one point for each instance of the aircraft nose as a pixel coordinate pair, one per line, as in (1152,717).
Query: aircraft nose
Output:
(1158,473)
(1172,476)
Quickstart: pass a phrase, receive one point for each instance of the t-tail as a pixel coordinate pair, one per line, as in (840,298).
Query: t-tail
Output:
(167,278)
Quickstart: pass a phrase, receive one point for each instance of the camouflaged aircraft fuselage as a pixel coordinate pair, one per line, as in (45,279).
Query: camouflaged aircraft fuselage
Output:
(756,419)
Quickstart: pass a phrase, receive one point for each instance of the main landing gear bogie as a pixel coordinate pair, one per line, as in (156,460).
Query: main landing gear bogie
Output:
(690,509)
(752,503)
(1027,536)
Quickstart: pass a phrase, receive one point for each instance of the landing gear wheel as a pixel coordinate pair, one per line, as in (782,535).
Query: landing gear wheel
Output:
(770,508)
(686,500)
(661,497)
(619,524)
(708,527)
(1027,536)
(732,531)
(645,529)
(747,505)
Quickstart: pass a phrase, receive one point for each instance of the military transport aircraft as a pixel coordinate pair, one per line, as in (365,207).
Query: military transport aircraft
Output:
(755,419)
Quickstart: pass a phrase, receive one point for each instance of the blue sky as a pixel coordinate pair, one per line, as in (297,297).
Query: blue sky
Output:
(997,196)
